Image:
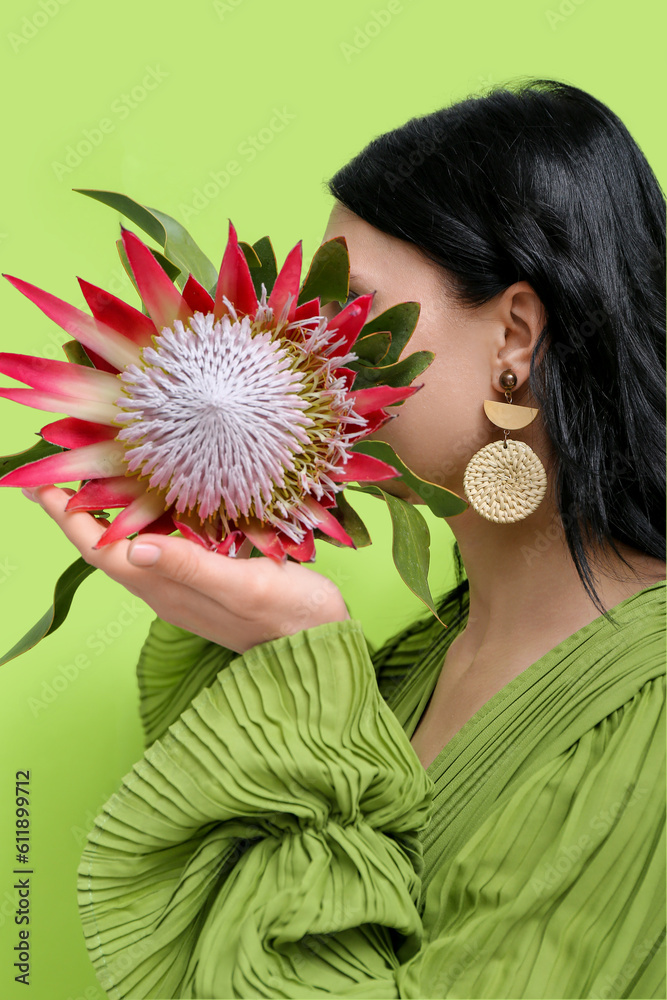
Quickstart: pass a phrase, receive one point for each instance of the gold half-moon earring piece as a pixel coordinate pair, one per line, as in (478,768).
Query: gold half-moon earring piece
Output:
(509,416)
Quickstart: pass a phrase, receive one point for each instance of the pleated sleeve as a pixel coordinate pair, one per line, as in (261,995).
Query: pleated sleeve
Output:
(268,845)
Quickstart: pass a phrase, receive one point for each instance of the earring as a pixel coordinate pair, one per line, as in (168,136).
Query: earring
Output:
(505,481)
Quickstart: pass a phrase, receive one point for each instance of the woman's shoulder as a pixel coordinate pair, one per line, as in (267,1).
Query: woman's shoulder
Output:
(647,606)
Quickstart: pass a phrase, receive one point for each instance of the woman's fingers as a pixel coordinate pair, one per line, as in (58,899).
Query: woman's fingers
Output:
(236,602)
(82,530)
(235,583)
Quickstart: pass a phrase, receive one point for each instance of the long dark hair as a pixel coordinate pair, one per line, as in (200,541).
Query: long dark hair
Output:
(539,181)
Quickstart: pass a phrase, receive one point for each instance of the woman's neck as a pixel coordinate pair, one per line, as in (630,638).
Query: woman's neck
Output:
(523,581)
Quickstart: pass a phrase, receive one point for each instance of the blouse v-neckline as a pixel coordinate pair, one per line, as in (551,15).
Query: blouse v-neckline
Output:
(432,665)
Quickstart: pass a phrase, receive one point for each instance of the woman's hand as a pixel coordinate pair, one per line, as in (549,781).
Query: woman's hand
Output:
(235,602)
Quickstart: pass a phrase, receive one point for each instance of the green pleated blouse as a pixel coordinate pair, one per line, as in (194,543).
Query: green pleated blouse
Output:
(280,837)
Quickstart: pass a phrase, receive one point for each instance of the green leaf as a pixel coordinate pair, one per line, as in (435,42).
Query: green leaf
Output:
(410,545)
(64,591)
(372,349)
(139,214)
(175,240)
(40,450)
(351,521)
(443,502)
(252,260)
(180,248)
(347,516)
(170,269)
(402,373)
(328,275)
(76,353)
(400,320)
(262,263)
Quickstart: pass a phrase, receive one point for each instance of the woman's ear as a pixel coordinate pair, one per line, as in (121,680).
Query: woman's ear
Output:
(522,315)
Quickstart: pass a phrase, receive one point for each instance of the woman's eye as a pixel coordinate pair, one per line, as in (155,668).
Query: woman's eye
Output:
(350,298)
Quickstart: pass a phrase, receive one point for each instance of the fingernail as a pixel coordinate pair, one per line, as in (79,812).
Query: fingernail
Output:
(144,554)
(28,493)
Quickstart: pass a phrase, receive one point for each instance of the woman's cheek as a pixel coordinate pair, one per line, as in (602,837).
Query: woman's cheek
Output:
(414,436)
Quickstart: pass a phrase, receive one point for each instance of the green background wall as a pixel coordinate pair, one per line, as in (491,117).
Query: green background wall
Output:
(154,100)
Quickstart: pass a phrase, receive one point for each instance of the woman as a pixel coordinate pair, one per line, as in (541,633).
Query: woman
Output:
(474,811)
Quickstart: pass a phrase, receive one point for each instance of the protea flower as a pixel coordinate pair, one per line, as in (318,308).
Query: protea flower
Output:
(226,417)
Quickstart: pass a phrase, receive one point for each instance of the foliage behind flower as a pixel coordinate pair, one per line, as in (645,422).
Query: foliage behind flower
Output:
(229,407)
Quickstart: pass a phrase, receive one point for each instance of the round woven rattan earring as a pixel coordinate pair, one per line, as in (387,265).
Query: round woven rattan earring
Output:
(505,481)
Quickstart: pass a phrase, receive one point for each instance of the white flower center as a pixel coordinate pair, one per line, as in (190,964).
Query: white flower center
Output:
(214,415)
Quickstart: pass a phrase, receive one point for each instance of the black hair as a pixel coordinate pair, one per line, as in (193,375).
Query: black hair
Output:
(539,181)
